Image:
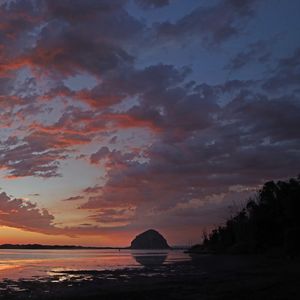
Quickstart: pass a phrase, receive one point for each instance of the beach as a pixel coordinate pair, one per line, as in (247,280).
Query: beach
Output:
(203,277)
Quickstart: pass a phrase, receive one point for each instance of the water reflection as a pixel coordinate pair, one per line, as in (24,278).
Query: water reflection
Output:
(150,260)
(16,264)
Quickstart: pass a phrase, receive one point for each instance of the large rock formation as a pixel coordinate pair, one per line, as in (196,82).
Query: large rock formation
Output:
(150,239)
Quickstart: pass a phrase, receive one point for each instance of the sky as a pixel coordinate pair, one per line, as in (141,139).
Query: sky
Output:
(117,116)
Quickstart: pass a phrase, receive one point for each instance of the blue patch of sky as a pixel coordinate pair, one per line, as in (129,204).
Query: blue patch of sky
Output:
(274,22)
(55,188)
(81,81)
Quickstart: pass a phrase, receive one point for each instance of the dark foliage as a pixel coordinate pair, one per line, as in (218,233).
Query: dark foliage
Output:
(270,222)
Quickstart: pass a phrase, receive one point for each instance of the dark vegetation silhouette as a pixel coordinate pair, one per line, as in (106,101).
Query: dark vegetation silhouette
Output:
(269,223)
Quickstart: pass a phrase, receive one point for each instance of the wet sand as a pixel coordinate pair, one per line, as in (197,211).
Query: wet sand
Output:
(205,277)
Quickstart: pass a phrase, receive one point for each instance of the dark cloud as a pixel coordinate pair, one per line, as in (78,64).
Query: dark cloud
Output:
(93,189)
(286,74)
(17,18)
(39,153)
(259,51)
(201,148)
(77,10)
(212,24)
(152,3)
(29,159)
(25,215)
(73,198)
(54,52)
(94,29)
(114,216)
(100,154)
(172,148)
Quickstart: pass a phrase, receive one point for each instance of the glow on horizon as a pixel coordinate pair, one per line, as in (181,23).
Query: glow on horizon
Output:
(11,235)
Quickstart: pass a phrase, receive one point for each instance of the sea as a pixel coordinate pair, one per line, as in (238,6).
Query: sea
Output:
(33,264)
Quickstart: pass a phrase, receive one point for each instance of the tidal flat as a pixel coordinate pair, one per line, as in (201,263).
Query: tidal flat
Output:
(203,277)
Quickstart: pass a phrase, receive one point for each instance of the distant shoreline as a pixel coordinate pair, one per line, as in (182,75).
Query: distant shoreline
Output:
(56,247)
(71,247)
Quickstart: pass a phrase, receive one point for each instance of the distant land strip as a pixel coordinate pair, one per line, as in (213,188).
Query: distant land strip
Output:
(56,247)
(71,247)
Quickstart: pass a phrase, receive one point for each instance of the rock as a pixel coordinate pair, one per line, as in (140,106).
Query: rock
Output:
(150,239)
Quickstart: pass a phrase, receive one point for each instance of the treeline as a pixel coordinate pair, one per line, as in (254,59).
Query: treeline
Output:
(269,222)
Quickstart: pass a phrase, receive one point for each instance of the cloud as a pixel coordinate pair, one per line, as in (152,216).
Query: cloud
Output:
(168,143)
(200,148)
(119,216)
(54,52)
(286,74)
(73,198)
(259,51)
(77,10)
(152,3)
(39,153)
(25,215)
(92,190)
(29,159)
(55,28)
(213,24)
(100,154)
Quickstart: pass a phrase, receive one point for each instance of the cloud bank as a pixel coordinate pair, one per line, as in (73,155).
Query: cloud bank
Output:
(170,145)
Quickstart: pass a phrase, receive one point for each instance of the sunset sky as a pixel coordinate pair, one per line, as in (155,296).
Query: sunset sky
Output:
(117,116)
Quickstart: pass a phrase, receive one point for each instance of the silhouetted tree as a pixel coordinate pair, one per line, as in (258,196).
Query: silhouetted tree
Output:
(270,220)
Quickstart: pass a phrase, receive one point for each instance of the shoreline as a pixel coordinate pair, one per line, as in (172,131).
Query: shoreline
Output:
(76,247)
(205,277)
(55,247)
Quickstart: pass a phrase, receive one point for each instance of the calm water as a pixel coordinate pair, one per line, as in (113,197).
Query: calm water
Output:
(17,264)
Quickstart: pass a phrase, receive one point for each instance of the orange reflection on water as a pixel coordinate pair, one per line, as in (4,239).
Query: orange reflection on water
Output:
(5,267)
(8,267)
(17,264)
